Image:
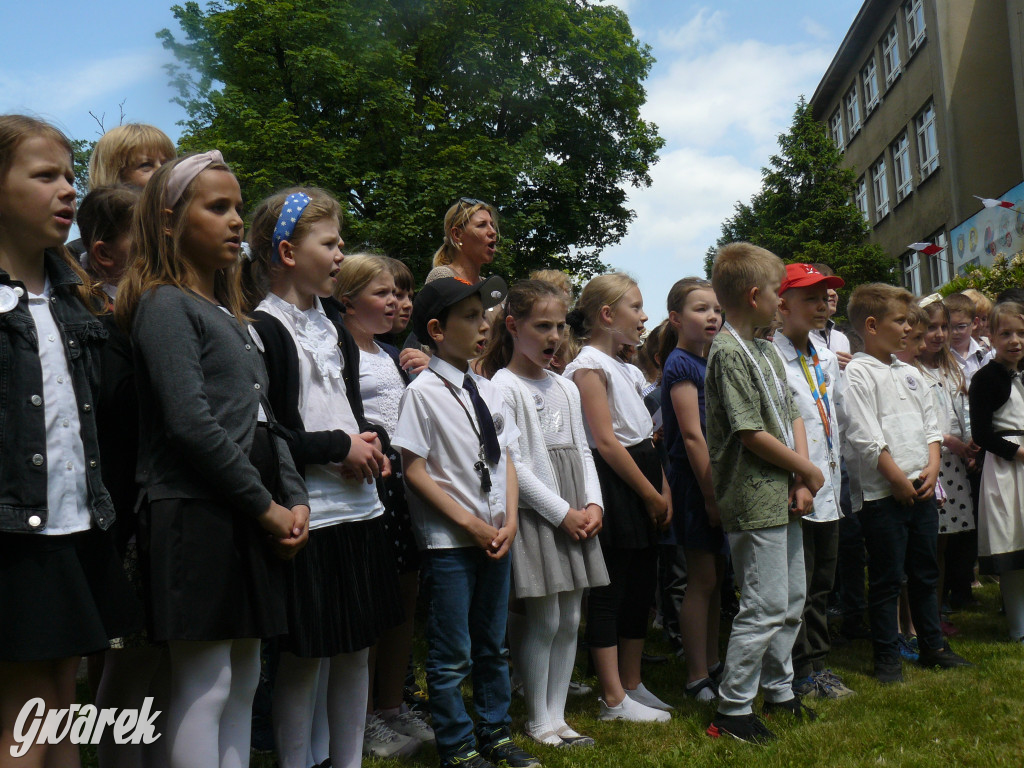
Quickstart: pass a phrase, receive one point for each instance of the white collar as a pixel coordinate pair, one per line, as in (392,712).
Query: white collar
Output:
(447,371)
(787,348)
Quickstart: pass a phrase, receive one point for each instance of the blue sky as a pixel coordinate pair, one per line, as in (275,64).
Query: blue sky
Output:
(727,77)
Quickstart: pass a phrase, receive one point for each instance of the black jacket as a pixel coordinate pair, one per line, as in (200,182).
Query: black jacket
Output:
(23,469)
(990,389)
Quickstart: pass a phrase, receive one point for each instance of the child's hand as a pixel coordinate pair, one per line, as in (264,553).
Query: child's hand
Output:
(365,459)
(656,508)
(413,360)
(957,446)
(595,520)
(501,542)
(575,524)
(801,502)
(277,521)
(714,513)
(904,492)
(289,547)
(668,509)
(482,533)
(813,479)
(928,479)
(844,358)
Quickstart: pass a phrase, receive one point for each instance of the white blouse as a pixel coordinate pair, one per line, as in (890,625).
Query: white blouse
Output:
(631,421)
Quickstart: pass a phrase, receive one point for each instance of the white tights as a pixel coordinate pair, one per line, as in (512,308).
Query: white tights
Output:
(1011,584)
(295,698)
(210,712)
(548,653)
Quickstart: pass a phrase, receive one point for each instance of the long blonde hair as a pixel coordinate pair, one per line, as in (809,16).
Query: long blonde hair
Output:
(456,218)
(156,245)
(601,291)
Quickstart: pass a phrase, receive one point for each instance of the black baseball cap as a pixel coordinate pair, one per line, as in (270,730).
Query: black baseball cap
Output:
(440,294)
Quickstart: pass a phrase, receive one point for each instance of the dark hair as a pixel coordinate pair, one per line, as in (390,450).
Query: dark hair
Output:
(522,298)
(106,213)
(1016,295)
(442,320)
(648,355)
(678,295)
(404,280)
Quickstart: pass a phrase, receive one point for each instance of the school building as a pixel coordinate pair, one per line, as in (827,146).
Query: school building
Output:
(925,98)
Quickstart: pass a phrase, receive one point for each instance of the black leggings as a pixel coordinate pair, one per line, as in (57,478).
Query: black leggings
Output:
(621,608)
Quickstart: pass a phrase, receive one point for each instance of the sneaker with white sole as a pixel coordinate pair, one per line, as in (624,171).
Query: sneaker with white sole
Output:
(632,710)
(576,688)
(381,741)
(413,724)
(641,695)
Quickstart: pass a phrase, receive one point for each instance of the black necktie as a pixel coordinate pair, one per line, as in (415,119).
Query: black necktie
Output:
(492,452)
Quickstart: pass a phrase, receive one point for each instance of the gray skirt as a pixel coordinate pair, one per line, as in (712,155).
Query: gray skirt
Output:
(545,560)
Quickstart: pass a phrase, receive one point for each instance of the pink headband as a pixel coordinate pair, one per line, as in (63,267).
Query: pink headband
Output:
(183,173)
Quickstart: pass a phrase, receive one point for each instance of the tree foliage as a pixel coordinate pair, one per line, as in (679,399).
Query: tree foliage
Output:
(1005,273)
(400,107)
(804,211)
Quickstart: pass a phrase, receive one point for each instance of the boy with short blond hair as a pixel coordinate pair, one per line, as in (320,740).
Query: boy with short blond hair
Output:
(756,443)
(894,437)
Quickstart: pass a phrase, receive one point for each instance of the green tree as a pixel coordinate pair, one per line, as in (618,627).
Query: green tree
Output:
(805,212)
(400,107)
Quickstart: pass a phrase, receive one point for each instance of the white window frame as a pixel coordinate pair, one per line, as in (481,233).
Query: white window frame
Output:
(860,197)
(941,268)
(869,79)
(880,187)
(927,140)
(852,106)
(911,263)
(835,129)
(914,13)
(901,166)
(891,55)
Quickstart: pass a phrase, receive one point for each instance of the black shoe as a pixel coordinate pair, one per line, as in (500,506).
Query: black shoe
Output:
(466,758)
(652,658)
(499,748)
(888,670)
(943,658)
(794,707)
(746,728)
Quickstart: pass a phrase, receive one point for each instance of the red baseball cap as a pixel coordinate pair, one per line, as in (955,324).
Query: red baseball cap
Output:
(803,275)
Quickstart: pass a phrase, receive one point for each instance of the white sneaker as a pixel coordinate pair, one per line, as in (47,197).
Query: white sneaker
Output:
(630,709)
(576,688)
(641,695)
(381,741)
(411,723)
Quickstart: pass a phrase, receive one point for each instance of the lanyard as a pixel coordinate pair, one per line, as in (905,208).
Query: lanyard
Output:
(819,392)
(785,427)
(481,465)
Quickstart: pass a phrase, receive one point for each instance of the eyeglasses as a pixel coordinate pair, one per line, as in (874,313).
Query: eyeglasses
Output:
(960,327)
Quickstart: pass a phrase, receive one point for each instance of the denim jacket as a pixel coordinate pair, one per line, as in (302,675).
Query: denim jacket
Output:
(23,470)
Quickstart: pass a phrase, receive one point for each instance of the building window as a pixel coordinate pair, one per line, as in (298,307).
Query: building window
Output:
(860,198)
(869,77)
(912,272)
(914,11)
(891,55)
(927,145)
(901,166)
(941,268)
(835,126)
(852,110)
(880,186)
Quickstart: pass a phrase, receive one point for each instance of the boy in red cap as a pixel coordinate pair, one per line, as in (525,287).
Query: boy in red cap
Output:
(812,372)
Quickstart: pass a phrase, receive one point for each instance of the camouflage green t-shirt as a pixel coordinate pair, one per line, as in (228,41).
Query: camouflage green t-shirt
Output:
(751,493)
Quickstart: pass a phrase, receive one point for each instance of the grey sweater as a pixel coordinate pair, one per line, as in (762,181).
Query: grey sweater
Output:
(201,379)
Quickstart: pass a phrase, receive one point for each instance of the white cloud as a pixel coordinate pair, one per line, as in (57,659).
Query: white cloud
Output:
(59,91)
(814,29)
(703,28)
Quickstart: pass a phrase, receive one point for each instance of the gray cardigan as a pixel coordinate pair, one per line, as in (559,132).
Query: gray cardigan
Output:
(201,379)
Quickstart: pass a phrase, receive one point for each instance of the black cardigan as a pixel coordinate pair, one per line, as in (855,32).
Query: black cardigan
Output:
(282,359)
(990,389)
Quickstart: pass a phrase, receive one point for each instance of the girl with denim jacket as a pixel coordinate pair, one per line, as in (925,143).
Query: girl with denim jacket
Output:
(62,591)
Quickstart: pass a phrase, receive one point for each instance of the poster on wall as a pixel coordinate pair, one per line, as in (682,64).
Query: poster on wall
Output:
(989,232)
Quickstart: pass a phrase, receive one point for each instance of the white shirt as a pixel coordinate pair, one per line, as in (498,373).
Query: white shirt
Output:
(889,407)
(831,338)
(631,421)
(323,405)
(433,425)
(66,492)
(824,457)
(381,387)
(976,357)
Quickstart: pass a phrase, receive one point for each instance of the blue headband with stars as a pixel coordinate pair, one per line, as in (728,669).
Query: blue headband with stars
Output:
(291,211)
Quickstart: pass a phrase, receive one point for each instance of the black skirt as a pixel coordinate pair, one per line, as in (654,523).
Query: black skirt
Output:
(342,590)
(626,523)
(62,596)
(397,520)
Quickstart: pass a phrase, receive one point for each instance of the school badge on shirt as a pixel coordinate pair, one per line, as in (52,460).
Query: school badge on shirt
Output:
(911,383)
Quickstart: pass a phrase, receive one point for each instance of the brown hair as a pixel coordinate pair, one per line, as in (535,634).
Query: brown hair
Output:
(741,266)
(119,146)
(522,298)
(959,302)
(648,356)
(982,303)
(947,364)
(1003,310)
(404,280)
(257,268)
(106,213)
(14,129)
(557,278)
(358,271)
(156,246)
(875,300)
(676,302)
(457,216)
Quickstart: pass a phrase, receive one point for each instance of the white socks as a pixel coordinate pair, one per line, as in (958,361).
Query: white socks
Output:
(548,653)
(210,711)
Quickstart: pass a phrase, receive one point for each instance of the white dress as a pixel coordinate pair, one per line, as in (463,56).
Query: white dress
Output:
(956,515)
(1001,518)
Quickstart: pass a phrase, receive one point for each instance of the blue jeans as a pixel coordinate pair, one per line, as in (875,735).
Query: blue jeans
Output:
(466,634)
(901,539)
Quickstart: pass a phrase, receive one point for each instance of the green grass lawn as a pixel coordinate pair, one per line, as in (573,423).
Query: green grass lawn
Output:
(965,717)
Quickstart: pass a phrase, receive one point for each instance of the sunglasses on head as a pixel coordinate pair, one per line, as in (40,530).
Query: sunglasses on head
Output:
(471,201)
